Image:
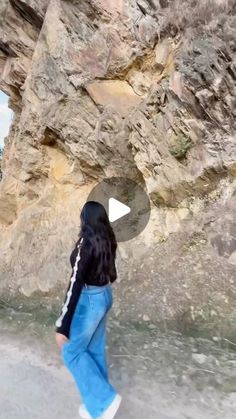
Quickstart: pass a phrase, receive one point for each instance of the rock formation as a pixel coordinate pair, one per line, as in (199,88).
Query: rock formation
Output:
(143,89)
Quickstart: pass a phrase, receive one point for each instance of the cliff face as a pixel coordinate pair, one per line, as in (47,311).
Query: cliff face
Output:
(143,89)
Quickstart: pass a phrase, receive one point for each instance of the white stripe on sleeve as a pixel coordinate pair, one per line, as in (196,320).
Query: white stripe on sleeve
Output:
(69,293)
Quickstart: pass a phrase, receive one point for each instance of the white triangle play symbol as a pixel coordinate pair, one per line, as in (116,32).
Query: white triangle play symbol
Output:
(117,210)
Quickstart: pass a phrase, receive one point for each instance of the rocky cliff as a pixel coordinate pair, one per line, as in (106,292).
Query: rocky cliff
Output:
(143,89)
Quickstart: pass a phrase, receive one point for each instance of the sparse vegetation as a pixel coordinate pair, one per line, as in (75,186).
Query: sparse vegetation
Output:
(180,146)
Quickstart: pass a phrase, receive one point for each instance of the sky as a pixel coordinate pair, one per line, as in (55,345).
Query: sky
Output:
(5,117)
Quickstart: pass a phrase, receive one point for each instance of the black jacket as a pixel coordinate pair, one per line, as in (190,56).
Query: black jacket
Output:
(85,270)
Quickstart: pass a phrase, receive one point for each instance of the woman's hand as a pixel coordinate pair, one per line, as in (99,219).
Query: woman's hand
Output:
(61,339)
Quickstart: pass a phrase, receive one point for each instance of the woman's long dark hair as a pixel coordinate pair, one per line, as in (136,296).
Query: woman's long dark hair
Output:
(96,228)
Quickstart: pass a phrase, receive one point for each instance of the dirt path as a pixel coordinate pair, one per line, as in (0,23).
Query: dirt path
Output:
(160,376)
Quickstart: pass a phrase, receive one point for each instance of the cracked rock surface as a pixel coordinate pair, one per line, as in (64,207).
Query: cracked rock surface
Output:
(142,89)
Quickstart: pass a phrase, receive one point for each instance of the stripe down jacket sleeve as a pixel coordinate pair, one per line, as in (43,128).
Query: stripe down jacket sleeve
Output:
(79,270)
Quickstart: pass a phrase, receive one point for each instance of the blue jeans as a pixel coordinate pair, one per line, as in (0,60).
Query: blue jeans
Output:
(84,354)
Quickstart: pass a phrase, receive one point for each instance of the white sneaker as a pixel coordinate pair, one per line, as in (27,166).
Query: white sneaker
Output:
(112,409)
(84,414)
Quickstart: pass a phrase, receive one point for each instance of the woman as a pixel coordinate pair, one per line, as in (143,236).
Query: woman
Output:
(81,326)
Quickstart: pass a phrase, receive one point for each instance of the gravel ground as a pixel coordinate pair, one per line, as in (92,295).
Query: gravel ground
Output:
(160,375)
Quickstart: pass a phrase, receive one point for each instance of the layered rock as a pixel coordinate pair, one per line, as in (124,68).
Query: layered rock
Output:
(143,89)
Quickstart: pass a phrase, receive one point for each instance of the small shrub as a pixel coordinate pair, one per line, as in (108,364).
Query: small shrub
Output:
(180,147)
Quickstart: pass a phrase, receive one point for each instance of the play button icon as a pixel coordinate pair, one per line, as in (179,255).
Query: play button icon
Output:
(117,210)
(126,203)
